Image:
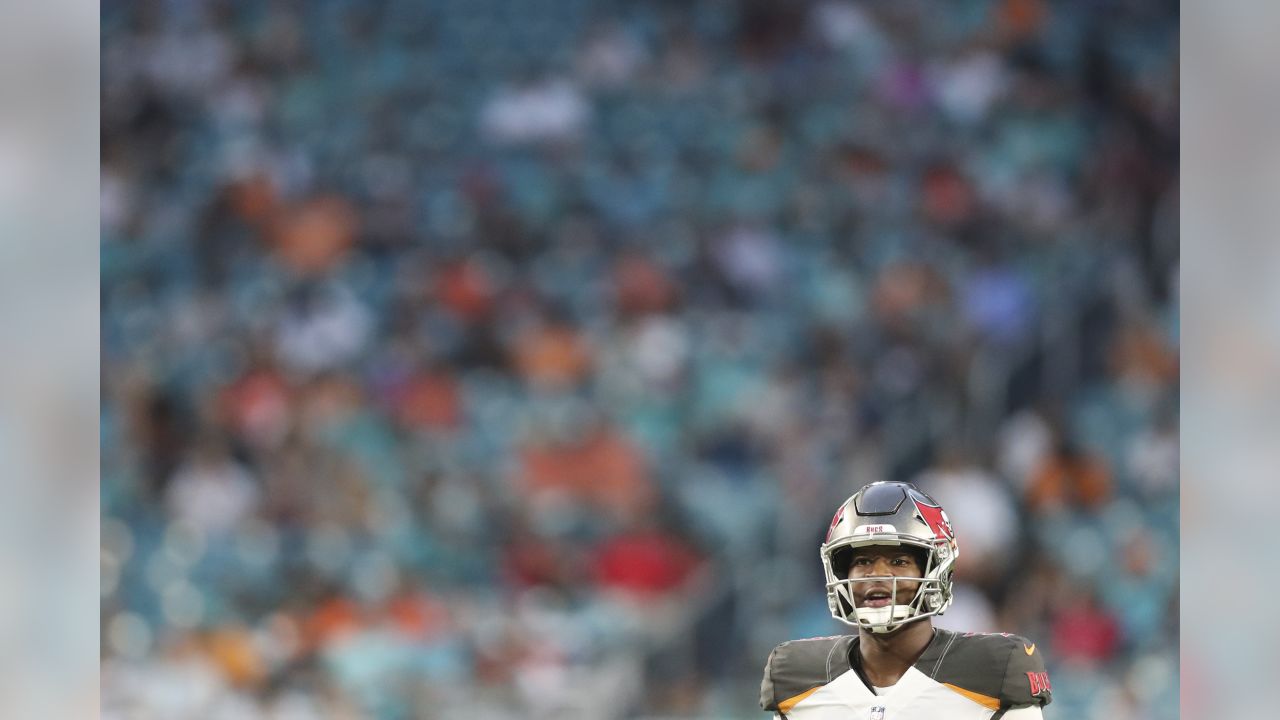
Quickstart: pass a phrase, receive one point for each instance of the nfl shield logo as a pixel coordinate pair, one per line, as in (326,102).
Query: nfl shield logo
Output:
(877,713)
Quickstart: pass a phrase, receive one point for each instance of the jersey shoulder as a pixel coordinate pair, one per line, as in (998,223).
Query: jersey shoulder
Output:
(995,667)
(798,667)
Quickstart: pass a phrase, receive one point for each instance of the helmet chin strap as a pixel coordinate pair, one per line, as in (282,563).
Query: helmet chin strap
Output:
(877,619)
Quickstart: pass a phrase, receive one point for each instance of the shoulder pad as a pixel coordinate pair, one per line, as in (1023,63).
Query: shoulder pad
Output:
(1025,680)
(796,667)
(1000,668)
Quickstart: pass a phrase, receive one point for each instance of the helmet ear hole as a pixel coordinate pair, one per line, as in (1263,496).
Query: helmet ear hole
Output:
(922,558)
(846,607)
(840,560)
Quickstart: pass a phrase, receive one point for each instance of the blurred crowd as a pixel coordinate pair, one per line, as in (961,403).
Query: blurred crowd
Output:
(508,359)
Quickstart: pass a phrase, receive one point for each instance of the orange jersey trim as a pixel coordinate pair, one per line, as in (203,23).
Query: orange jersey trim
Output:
(786,705)
(984,700)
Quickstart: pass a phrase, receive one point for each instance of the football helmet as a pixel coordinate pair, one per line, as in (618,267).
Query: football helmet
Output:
(894,514)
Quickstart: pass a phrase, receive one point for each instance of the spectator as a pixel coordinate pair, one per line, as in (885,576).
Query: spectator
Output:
(991,527)
(1084,632)
(1069,478)
(548,109)
(211,491)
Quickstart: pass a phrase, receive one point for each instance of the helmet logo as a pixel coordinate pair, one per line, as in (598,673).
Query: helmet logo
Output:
(835,521)
(936,519)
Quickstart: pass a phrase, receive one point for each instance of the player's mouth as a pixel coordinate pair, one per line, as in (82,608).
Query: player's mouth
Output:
(876,599)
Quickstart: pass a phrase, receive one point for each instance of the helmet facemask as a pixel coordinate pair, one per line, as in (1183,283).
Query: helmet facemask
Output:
(931,597)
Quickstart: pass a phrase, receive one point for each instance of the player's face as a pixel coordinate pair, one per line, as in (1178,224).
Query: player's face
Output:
(884,564)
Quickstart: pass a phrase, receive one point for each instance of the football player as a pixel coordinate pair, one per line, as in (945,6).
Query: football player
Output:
(888,557)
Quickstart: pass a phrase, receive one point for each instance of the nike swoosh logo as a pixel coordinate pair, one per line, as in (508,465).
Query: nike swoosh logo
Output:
(1029,648)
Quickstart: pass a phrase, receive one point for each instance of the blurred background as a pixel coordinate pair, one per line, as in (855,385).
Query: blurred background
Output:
(510,358)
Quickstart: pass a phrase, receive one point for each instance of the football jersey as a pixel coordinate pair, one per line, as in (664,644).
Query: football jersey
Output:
(959,676)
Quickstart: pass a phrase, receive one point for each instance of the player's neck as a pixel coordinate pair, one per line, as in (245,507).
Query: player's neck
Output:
(885,658)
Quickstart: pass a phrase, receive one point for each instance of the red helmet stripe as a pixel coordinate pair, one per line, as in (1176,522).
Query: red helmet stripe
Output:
(835,521)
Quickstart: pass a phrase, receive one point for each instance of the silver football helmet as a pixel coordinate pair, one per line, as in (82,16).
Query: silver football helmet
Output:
(894,514)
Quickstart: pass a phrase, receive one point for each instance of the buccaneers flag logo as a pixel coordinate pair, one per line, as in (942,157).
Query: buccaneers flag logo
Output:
(937,520)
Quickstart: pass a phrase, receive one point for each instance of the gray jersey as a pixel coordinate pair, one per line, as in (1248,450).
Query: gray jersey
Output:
(960,676)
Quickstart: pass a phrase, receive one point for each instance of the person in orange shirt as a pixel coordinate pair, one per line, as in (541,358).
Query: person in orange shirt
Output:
(1071,477)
